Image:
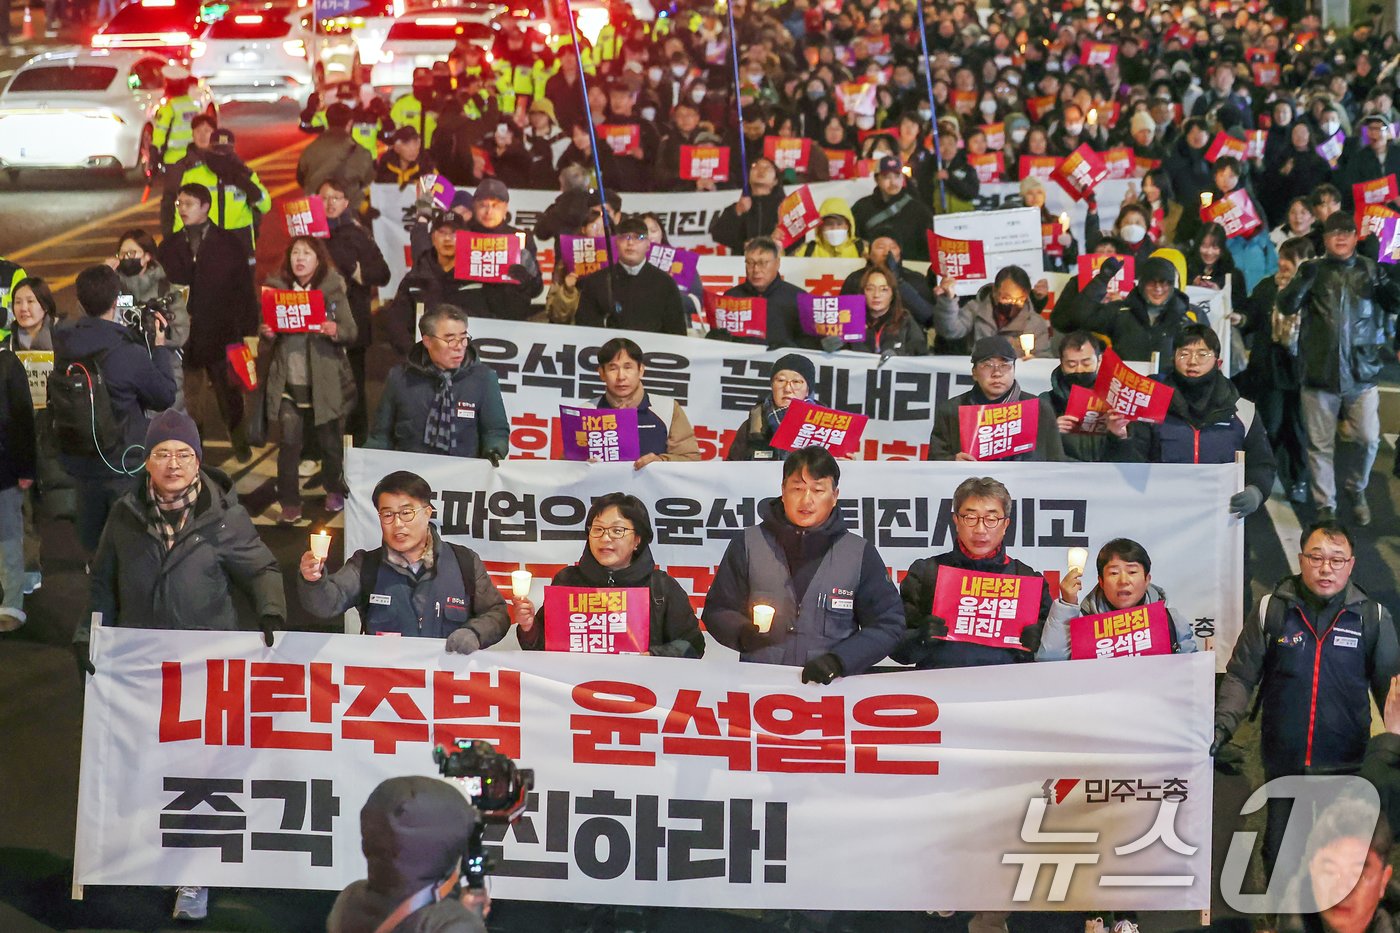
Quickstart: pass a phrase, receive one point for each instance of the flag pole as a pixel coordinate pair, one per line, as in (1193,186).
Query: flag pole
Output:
(738,98)
(933,109)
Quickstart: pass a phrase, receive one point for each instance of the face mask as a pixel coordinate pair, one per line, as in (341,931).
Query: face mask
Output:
(1330,128)
(1014,79)
(925,113)
(1074,129)
(648,113)
(678,71)
(655,74)
(1052,65)
(1006,308)
(836,236)
(864,122)
(129,267)
(1133,233)
(814,93)
(1084,380)
(1155,20)
(1018,136)
(697,95)
(988,107)
(366,94)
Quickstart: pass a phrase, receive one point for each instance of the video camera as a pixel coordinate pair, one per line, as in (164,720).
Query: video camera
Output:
(494,785)
(141,319)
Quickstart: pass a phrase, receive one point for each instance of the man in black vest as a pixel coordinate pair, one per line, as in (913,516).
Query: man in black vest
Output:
(631,293)
(414,584)
(834,610)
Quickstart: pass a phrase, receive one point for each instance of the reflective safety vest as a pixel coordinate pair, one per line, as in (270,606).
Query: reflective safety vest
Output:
(11,274)
(409,111)
(229,208)
(366,134)
(172,133)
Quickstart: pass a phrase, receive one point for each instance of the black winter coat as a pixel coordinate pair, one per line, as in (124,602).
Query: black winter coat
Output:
(222,305)
(1346,305)
(1085,448)
(732,230)
(18,444)
(945,441)
(783,327)
(1125,323)
(350,246)
(649,301)
(909,225)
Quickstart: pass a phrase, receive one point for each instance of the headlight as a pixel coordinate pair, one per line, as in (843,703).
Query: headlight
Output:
(197,48)
(295,48)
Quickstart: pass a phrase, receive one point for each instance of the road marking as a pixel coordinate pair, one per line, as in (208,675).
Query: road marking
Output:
(1287,528)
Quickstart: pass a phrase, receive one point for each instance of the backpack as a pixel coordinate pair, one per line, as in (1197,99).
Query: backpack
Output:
(85,424)
(373,560)
(1271,616)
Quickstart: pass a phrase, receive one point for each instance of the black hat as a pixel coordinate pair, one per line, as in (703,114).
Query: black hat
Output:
(1157,269)
(890,165)
(796,363)
(1339,222)
(404,134)
(994,348)
(447,219)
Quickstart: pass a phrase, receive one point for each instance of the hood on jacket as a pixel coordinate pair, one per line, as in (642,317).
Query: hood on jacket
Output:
(413,830)
(1178,261)
(837,207)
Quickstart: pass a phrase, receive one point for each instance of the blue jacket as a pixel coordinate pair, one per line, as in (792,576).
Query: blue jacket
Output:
(1255,256)
(138,381)
(479,414)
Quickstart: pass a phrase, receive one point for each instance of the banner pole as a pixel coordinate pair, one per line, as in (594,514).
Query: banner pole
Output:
(933,109)
(738,98)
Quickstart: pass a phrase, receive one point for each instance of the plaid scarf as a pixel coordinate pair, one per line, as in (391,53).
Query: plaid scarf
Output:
(165,517)
(437,433)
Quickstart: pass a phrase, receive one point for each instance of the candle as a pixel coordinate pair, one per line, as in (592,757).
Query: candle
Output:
(1027,344)
(1078,557)
(1093,116)
(320,545)
(1064,221)
(763,618)
(520,583)
(1206,198)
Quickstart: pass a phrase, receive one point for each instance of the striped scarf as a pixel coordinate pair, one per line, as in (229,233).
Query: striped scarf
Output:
(165,517)
(437,433)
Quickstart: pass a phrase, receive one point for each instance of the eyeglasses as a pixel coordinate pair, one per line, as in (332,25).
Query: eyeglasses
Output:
(130,254)
(988,522)
(1315,561)
(165,456)
(615,531)
(1203,356)
(453,343)
(630,238)
(782,383)
(995,368)
(405,515)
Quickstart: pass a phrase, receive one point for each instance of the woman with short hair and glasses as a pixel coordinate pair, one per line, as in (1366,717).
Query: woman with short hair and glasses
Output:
(981,517)
(414,583)
(618,554)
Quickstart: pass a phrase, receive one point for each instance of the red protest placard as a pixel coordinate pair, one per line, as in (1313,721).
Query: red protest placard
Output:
(1040,106)
(1091,411)
(995,432)
(1123,633)
(855,97)
(808,425)
(1098,53)
(1120,162)
(289,311)
(1041,167)
(244,365)
(962,101)
(1235,212)
(486,257)
(795,154)
(1266,74)
(1122,282)
(1129,393)
(961,259)
(796,215)
(842,164)
(705,163)
(995,134)
(1370,218)
(1050,239)
(624,139)
(1254,141)
(1080,172)
(1375,191)
(989,166)
(742,317)
(588,620)
(1145,165)
(989,609)
(1225,145)
(306,217)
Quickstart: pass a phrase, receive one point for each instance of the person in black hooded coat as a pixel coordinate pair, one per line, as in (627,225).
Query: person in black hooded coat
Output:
(1079,366)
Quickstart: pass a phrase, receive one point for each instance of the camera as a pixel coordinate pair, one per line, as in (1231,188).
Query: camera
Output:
(494,785)
(141,319)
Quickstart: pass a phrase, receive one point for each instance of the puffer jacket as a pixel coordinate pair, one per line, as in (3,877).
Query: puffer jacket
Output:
(332,384)
(905,338)
(1346,306)
(136,583)
(1125,324)
(1085,448)
(853,248)
(675,632)
(1054,646)
(975,320)
(479,413)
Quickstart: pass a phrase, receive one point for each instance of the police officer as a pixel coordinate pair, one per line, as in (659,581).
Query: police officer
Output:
(11,274)
(172,133)
(418,109)
(238,198)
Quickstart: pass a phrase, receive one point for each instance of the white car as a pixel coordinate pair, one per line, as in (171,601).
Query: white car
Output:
(416,40)
(264,54)
(85,109)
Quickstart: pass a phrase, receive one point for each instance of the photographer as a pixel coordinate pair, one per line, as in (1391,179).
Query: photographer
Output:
(137,380)
(145,283)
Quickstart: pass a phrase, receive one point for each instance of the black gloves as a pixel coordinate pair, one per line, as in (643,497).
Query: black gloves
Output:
(937,627)
(519,273)
(494,456)
(751,639)
(268,624)
(822,670)
(1229,757)
(1110,267)
(1030,637)
(82,655)
(1307,271)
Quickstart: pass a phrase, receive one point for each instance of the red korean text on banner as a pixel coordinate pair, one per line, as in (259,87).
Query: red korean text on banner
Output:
(1050,239)
(1376,191)
(1254,141)
(603,620)
(1080,171)
(1120,162)
(795,153)
(1225,145)
(741,317)
(1040,106)
(1370,218)
(841,163)
(1091,411)
(1098,53)
(963,101)
(1122,281)
(995,432)
(624,139)
(989,609)
(243,364)
(289,311)
(306,217)
(1041,167)
(486,257)
(808,425)
(705,163)
(1107,112)
(989,166)
(797,214)
(995,134)
(1266,74)
(960,259)
(1235,212)
(1129,393)
(1123,633)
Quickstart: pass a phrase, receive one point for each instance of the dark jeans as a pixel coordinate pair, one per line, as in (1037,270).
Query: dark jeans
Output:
(357,425)
(1281,411)
(95,500)
(292,422)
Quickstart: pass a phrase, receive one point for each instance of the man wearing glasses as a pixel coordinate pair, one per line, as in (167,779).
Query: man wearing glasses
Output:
(1203,424)
(1314,648)
(443,400)
(763,279)
(993,383)
(414,584)
(631,293)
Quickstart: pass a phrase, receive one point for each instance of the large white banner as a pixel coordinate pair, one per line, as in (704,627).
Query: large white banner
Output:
(1009,237)
(529,516)
(209,759)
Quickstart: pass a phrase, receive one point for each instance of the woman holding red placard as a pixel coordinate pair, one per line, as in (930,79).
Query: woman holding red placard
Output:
(309,384)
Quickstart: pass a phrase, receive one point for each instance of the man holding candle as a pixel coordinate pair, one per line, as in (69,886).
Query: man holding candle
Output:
(834,611)
(414,583)
(994,383)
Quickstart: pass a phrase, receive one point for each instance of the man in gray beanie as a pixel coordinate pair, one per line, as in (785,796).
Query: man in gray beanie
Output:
(793,376)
